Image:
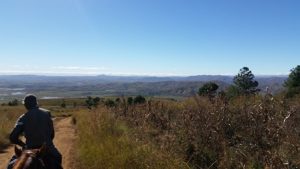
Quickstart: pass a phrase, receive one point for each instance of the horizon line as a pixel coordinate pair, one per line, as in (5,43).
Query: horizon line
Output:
(129,75)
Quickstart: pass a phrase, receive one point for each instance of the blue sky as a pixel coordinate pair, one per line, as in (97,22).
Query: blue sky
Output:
(149,37)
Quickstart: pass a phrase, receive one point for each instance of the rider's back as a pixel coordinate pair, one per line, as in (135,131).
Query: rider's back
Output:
(38,128)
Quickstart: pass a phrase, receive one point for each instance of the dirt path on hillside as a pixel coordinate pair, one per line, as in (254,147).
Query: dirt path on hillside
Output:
(64,139)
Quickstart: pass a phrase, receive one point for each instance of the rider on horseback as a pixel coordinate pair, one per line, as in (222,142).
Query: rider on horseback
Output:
(37,127)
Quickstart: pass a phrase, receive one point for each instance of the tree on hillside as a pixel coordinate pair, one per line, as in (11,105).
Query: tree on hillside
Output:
(245,82)
(89,102)
(139,100)
(63,104)
(96,101)
(13,103)
(208,89)
(92,102)
(130,100)
(293,82)
(109,103)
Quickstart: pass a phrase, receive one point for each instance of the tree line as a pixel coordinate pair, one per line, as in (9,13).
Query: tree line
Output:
(244,83)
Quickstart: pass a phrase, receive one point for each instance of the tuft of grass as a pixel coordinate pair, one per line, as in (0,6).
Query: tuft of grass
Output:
(107,143)
(8,117)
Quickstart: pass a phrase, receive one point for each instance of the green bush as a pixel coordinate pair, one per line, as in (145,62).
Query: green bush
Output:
(139,100)
(110,103)
(208,89)
(130,100)
(293,82)
(14,102)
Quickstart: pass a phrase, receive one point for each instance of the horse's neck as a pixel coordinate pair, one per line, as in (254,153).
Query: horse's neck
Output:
(21,162)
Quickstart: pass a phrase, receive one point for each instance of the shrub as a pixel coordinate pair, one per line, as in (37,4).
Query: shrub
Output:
(63,104)
(130,100)
(109,103)
(293,82)
(13,103)
(208,89)
(139,100)
(92,102)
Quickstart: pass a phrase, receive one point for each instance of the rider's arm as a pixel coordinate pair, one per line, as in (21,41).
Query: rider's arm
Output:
(17,131)
(51,127)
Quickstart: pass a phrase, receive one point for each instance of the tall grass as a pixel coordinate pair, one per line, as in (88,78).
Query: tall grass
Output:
(247,132)
(107,143)
(8,117)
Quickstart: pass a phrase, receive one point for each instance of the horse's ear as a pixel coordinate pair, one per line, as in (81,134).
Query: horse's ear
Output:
(43,150)
(18,151)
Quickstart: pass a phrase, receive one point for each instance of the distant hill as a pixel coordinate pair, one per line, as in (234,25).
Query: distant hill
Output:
(16,86)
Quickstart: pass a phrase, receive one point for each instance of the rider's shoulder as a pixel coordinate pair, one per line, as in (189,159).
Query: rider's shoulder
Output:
(44,110)
(22,116)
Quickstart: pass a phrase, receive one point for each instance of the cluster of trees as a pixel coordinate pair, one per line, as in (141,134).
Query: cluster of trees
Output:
(136,100)
(245,84)
(94,102)
(14,102)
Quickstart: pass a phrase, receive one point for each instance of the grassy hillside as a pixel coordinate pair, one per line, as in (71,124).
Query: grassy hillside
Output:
(254,132)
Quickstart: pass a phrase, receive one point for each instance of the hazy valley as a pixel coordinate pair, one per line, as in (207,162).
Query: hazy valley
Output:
(46,87)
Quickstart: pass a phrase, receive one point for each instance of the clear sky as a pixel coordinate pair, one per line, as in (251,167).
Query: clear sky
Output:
(149,37)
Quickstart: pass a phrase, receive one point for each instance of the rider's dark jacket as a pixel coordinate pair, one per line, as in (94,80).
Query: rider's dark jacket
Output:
(37,127)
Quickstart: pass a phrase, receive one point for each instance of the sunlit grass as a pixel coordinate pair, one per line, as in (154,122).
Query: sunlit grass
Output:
(107,143)
(8,117)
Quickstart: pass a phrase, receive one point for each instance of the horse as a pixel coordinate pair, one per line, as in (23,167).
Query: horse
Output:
(30,159)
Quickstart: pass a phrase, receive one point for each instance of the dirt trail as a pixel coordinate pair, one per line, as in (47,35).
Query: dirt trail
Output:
(64,139)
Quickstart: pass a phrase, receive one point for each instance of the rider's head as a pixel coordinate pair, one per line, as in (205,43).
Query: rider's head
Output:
(30,101)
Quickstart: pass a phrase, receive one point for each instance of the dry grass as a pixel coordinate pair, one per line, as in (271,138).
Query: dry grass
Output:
(8,117)
(107,143)
(247,132)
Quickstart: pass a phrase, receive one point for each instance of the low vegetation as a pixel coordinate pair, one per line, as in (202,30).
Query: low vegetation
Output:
(8,117)
(245,132)
(105,142)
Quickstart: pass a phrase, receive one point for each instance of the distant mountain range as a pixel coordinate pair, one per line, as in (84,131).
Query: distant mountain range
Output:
(16,86)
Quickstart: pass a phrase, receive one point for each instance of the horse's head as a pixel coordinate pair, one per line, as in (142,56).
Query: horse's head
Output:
(30,159)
